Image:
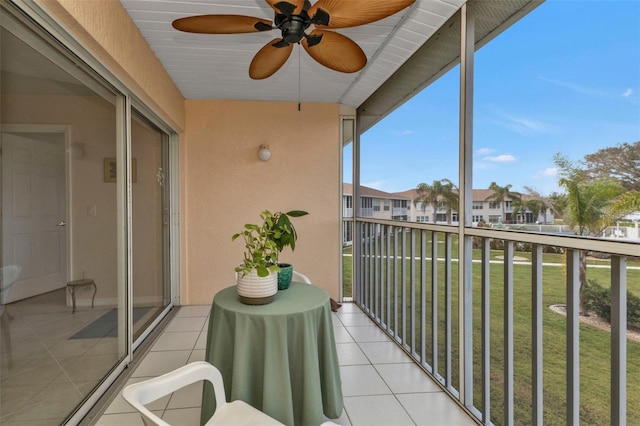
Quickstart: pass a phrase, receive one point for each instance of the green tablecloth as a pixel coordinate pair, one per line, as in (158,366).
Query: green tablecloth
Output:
(281,357)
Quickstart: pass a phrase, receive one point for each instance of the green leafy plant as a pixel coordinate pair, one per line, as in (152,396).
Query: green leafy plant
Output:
(283,233)
(597,298)
(263,243)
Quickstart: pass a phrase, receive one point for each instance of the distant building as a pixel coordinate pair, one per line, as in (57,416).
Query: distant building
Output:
(377,204)
(400,206)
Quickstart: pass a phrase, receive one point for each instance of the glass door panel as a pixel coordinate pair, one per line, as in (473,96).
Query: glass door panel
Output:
(151,292)
(59,226)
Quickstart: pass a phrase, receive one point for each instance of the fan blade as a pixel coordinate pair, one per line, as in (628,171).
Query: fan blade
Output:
(287,7)
(343,14)
(269,59)
(222,24)
(335,51)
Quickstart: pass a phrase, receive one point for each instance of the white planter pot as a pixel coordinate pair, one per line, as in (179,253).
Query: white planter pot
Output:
(255,290)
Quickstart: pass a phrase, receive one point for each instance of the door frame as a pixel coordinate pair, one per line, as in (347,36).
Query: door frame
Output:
(69,150)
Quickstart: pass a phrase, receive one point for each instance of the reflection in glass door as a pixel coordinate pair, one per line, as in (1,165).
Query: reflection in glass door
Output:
(64,213)
(149,152)
(59,215)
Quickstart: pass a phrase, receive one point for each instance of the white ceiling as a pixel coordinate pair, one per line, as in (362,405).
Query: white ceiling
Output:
(216,66)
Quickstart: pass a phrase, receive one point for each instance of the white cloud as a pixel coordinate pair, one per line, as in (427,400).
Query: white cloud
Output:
(478,165)
(502,158)
(585,90)
(520,124)
(485,151)
(549,172)
(405,132)
(526,126)
(627,93)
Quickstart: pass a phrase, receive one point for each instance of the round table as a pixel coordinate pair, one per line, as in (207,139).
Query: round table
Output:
(281,358)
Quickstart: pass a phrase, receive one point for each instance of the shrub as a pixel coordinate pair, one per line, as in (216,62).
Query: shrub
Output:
(497,244)
(493,244)
(553,249)
(525,247)
(597,299)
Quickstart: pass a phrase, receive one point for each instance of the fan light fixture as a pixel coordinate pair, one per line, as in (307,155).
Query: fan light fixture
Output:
(264,153)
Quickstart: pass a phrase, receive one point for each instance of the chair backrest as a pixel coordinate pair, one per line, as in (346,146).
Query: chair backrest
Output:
(8,276)
(297,276)
(142,393)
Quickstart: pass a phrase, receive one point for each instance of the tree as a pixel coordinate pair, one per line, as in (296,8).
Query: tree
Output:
(543,203)
(501,194)
(428,195)
(620,162)
(443,190)
(587,204)
(622,205)
(588,200)
(521,206)
(450,196)
(557,204)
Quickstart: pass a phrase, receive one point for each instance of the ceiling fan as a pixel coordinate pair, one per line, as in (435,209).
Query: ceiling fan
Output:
(294,18)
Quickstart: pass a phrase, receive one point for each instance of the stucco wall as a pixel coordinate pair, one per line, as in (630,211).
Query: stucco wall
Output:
(227,186)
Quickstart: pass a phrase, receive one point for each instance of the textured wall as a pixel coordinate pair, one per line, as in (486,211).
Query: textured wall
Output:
(228,186)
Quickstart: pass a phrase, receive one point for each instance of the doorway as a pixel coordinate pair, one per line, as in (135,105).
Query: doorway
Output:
(34,209)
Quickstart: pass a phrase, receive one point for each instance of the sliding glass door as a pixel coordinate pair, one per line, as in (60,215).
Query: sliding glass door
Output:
(60,288)
(84,228)
(150,222)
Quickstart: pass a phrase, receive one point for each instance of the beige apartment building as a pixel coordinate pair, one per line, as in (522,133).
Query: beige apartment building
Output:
(402,206)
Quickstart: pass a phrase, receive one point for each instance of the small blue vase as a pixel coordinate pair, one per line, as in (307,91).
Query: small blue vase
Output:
(284,276)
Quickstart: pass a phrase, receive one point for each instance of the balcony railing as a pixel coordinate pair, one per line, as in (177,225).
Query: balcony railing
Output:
(483,327)
(400,211)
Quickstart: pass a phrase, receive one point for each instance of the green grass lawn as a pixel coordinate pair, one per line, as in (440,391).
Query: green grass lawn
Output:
(594,343)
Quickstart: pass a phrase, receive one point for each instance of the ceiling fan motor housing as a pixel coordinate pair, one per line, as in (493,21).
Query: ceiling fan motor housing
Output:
(293,26)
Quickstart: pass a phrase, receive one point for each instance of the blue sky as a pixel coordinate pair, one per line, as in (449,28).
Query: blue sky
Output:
(566,79)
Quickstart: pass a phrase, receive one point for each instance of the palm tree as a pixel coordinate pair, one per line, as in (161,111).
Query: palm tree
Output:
(557,204)
(450,197)
(544,203)
(532,205)
(588,200)
(501,194)
(443,190)
(427,195)
(588,203)
(625,203)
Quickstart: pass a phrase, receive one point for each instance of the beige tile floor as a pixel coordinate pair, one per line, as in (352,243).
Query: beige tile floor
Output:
(44,373)
(380,383)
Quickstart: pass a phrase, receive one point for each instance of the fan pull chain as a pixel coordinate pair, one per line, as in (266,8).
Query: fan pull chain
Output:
(299,84)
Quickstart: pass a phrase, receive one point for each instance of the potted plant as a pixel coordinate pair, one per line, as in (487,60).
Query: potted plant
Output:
(257,275)
(284,235)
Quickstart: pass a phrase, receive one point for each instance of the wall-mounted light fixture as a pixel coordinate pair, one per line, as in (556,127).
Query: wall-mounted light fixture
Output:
(264,154)
(76,150)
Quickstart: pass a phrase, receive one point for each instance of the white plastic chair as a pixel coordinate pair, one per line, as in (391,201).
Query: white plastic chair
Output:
(227,413)
(8,277)
(297,276)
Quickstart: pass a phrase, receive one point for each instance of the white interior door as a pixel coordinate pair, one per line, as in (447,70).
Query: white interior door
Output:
(34,233)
